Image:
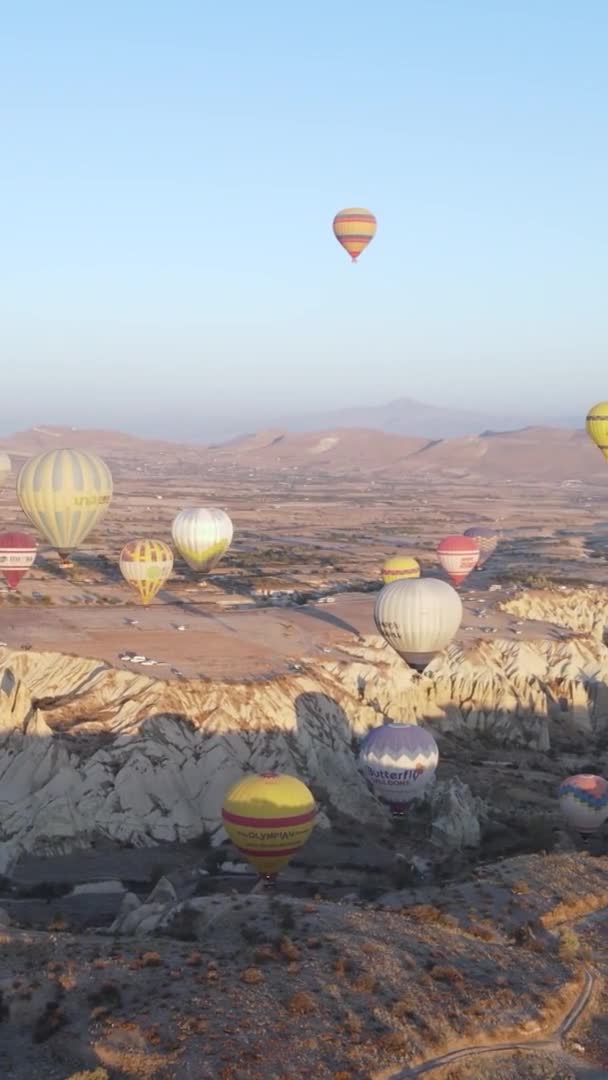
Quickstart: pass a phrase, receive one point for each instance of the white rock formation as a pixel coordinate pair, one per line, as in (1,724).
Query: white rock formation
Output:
(455,816)
(87,751)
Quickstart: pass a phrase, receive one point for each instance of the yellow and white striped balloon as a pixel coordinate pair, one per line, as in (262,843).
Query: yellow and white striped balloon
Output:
(64,493)
(145,566)
(202,536)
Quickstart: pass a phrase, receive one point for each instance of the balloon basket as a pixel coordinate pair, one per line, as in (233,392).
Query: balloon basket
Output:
(65,562)
(269,881)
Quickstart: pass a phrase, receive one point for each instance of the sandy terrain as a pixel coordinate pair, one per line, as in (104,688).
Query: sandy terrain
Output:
(315,534)
(363,980)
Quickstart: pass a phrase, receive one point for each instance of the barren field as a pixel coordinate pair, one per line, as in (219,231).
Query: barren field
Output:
(315,537)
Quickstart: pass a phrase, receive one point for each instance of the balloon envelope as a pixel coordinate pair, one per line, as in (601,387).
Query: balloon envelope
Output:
(399,760)
(5,468)
(17,554)
(64,493)
(400,567)
(458,555)
(418,618)
(486,539)
(268,818)
(354,228)
(583,800)
(202,536)
(597,426)
(145,566)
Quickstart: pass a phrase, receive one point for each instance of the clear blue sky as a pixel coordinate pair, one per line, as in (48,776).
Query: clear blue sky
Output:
(170,172)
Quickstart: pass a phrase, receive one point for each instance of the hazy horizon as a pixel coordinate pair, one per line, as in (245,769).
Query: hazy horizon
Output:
(170,180)
(223,428)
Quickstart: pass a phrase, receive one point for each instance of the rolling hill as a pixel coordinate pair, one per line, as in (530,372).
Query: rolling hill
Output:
(528,454)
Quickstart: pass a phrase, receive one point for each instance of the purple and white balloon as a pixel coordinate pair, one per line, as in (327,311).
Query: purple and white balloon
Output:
(487,539)
(399,760)
(583,801)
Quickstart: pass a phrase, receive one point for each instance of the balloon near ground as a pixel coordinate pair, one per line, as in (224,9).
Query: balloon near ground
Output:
(5,468)
(354,228)
(597,426)
(458,555)
(145,566)
(64,493)
(399,568)
(399,760)
(583,801)
(486,539)
(418,618)
(268,818)
(17,554)
(202,536)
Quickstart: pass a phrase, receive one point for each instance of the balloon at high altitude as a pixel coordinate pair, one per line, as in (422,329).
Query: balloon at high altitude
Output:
(583,801)
(64,493)
(268,818)
(458,555)
(5,468)
(486,539)
(418,618)
(399,760)
(202,536)
(400,567)
(145,566)
(17,554)
(354,228)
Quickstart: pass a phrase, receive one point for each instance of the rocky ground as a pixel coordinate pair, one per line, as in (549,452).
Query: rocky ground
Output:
(267,986)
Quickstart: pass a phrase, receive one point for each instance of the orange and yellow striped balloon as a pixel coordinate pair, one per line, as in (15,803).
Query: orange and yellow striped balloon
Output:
(145,566)
(268,818)
(354,228)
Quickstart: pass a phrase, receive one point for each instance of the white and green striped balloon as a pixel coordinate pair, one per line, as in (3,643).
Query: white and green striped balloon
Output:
(202,536)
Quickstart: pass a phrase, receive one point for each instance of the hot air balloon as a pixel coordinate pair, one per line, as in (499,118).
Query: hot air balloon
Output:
(486,539)
(354,228)
(583,801)
(268,818)
(458,555)
(146,565)
(5,468)
(597,426)
(418,618)
(64,493)
(17,554)
(399,760)
(400,567)
(202,536)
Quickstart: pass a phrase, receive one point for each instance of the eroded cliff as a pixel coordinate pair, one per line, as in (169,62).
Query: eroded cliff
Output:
(87,751)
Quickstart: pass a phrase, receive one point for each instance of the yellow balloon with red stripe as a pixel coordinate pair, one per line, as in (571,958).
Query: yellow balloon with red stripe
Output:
(399,568)
(145,566)
(269,817)
(354,228)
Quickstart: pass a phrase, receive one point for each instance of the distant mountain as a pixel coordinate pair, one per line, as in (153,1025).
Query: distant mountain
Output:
(533,453)
(529,454)
(405,416)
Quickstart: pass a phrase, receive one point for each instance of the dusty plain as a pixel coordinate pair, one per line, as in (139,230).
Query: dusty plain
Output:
(381,949)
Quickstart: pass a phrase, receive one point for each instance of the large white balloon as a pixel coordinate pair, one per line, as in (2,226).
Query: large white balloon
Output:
(418,618)
(202,536)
